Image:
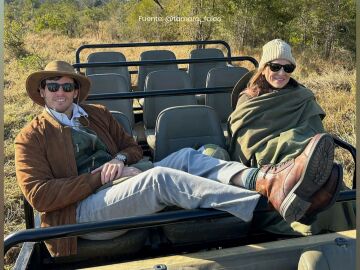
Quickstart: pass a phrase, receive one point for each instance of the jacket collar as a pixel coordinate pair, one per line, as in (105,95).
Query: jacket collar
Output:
(54,122)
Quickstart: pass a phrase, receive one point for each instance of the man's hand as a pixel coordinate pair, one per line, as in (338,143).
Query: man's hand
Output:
(110,170)
(130,171)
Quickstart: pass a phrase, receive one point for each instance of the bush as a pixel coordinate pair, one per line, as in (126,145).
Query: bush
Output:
(32,62)
(61,17)
(14,33)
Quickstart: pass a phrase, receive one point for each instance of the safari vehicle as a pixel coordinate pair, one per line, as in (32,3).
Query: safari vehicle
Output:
(169,108)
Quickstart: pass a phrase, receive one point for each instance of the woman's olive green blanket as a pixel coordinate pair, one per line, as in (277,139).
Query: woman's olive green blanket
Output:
(274,127)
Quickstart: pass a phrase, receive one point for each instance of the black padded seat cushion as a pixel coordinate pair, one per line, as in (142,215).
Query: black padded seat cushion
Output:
(201,231)
(129,243)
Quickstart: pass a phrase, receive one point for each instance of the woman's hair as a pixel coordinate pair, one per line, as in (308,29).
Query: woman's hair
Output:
(258,84)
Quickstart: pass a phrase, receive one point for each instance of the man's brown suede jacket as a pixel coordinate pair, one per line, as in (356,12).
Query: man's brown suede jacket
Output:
(46,168)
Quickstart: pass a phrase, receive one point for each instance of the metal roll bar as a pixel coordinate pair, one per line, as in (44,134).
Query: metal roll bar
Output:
(171,217)
(200,43)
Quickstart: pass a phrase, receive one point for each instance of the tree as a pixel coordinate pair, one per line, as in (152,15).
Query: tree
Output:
(324,26)
(91,18)
(14,39)
(61,16)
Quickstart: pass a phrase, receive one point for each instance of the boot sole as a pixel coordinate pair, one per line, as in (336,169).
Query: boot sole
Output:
(336,192)
(318,169)
(332,200)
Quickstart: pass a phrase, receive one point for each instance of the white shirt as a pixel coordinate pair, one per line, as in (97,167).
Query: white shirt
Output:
(63,119)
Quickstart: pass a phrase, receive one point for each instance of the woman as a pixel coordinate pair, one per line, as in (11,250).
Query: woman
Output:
(275,116)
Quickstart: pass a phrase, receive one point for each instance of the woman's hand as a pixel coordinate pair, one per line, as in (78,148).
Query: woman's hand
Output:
(110,170)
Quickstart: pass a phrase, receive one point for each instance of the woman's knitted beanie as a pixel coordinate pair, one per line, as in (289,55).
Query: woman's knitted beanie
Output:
(276,49)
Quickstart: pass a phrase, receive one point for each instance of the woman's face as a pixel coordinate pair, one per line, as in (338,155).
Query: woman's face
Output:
(278,79)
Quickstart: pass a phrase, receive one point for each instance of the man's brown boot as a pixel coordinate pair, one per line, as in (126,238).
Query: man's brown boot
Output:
(289,186)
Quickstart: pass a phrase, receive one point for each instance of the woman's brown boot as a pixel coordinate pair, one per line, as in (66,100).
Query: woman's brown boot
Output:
(289,186)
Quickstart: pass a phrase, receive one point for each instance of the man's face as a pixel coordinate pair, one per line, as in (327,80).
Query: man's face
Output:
(59,100)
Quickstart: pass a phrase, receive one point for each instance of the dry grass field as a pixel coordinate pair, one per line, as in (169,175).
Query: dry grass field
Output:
(333,83)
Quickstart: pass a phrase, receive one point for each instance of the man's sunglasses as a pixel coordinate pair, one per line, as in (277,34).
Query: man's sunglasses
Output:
(274,67)
(54,87)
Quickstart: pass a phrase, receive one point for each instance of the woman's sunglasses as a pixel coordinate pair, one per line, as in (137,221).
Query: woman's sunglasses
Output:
(274,67)
(54,87)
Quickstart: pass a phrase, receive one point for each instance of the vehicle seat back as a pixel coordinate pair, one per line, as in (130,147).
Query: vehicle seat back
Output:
(239,87)
(163,80)
(222,77)
(108,57)
(112,83)
(154,55)
(123,121)
(194,126)
(186,126)
(198,71)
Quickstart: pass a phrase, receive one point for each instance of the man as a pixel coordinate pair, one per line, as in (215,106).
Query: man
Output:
(69,151)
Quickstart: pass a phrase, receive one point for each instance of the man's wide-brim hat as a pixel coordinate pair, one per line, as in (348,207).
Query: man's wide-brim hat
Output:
(54,69)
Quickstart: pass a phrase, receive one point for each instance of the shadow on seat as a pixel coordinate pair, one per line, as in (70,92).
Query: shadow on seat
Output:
(205,231)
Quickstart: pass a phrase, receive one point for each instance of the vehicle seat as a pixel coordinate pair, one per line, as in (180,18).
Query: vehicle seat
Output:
(154,55)
(194,126)
(206,231)
(221,102)
(112,83)
(129,243)
(186,126)
(340,254)
(239,87)
(198,71)
(164,80)
(123,121)
(108,57)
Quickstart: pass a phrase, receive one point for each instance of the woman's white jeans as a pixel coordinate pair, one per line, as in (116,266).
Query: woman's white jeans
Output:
(187,179)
